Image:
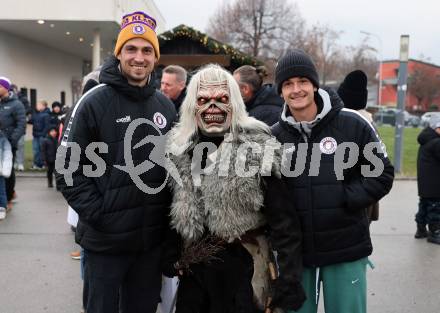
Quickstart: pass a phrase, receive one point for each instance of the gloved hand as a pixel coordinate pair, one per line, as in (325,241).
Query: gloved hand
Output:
(169,269)
(288,295)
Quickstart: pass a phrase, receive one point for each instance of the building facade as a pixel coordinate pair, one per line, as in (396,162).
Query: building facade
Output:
(426,79)
(47,47)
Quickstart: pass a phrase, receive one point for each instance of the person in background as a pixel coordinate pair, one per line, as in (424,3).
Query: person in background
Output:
(354,93)
(262,101)
(13,125)
(19,158)
(428,173)
(49,147)
(41,123)
(173,84)
(5,171)
(331,205)
(55,114)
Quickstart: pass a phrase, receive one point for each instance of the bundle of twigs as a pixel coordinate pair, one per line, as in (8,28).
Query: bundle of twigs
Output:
(201,251)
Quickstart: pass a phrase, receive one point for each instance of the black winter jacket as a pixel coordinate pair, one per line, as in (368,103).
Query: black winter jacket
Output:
(428,164)
(266,105)
(12,119)
(41,122)
(179,100)
(331,211)
(49,147)
(115,216)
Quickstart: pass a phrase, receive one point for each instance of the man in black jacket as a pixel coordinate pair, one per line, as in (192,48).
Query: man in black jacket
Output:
(262,101)
(428,172)
(118,196)
(173,84)
(337,168)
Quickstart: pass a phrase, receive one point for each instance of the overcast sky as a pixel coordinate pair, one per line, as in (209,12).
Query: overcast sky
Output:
(386,19)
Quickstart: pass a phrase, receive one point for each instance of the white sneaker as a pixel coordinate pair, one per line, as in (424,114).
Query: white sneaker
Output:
(20,167)
(2,213)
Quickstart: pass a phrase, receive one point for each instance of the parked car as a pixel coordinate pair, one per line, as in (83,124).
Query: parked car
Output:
(388,116)
(426,117)
(411,119)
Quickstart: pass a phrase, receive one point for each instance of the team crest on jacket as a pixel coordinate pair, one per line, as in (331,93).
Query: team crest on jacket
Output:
(159,120)
(328,145)
(138,29)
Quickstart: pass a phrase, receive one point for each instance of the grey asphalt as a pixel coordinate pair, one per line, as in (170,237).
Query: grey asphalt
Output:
(38,276)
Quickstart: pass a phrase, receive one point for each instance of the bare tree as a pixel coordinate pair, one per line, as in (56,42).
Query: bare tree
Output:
(424,85)
(321,43)
(261,28)
(360,57)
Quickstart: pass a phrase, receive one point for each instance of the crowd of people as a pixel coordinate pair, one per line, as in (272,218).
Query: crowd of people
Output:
(239,240)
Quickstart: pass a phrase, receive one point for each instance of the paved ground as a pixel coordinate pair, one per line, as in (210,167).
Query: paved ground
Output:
(38,276)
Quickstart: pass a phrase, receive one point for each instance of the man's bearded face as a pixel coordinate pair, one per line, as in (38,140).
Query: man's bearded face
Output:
(213,112)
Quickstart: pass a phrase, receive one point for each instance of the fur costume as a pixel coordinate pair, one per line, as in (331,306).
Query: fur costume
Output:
(238,210)
(227,189)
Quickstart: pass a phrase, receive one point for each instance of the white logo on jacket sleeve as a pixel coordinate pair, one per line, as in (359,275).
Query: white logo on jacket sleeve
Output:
(328,145)
(159,120)
(126,119)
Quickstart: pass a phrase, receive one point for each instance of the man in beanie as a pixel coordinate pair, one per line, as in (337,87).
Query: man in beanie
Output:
(428,172)
(13,125)
(330,196)
(120,226)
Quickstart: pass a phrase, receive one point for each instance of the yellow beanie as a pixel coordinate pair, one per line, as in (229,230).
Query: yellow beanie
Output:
(137,25)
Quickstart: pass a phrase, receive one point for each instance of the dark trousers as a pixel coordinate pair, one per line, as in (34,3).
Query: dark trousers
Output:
(10,181)
(429,211)
(221,286)
(50,170)
(128,283)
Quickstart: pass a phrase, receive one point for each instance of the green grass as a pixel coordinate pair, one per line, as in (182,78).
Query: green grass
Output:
(28,155)
(410,148)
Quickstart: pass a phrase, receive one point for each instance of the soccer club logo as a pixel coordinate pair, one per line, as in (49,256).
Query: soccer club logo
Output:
(138,29)
(328,145)
(159,120)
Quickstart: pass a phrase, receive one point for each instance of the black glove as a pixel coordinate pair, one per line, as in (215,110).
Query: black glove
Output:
(288,295)
(171,246)
(169,269)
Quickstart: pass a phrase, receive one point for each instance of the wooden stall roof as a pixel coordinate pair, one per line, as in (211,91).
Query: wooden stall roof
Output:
(191,48)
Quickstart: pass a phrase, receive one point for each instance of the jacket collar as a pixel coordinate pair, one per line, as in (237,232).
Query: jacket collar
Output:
(307,126)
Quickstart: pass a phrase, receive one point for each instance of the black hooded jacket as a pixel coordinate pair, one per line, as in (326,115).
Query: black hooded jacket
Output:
(115,216)
(428,164)
(331,210)
(266,105)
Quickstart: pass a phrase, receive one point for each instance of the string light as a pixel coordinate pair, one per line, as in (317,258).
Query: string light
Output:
(209,43)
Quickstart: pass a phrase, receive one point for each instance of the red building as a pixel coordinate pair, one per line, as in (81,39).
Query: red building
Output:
(427,72)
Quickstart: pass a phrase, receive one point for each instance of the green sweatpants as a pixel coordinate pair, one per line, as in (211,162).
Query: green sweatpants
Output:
(344,287)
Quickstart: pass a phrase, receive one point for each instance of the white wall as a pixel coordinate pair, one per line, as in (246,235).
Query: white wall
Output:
(78,10)
(29,64)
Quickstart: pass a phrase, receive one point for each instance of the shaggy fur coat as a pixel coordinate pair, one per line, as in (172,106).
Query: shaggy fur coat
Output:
(197,206)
